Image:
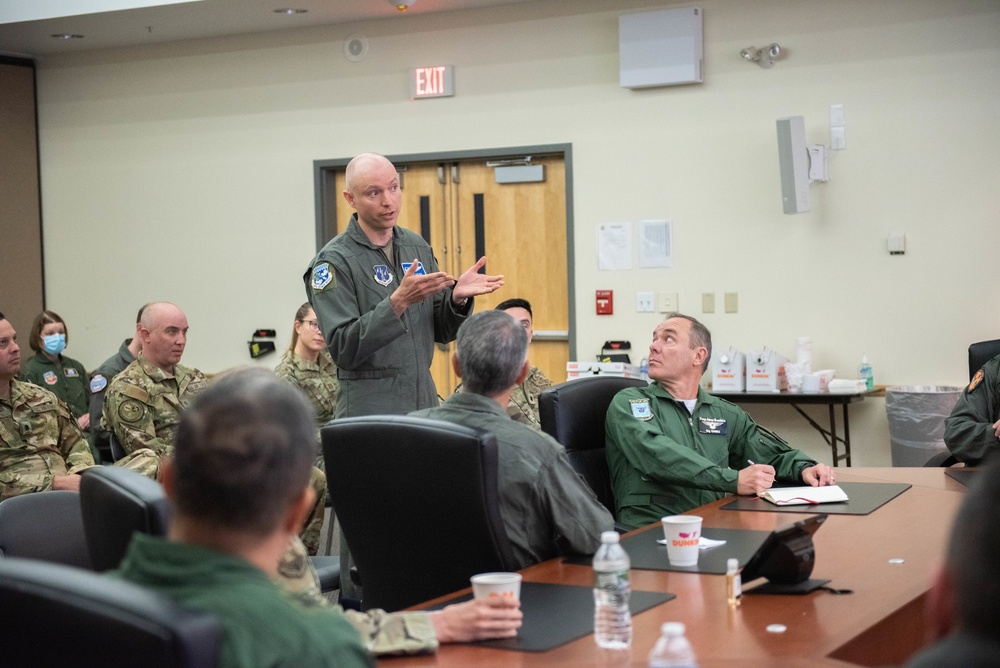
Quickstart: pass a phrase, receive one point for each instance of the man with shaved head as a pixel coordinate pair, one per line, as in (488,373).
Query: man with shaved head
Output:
(144,402)
(381,301)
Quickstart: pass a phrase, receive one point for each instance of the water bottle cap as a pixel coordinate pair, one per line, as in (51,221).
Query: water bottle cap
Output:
(609,537)
(732,564)
(673,629)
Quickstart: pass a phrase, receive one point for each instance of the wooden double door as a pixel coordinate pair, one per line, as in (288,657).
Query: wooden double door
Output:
(521,228)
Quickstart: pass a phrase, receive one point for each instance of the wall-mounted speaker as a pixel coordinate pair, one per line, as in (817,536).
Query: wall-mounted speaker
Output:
(793,160)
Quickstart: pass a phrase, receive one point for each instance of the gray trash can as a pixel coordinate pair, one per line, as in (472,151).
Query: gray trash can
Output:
(916,416)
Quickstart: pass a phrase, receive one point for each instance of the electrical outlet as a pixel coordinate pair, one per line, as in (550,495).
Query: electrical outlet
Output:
(668,302)
(708,302)
(644,302)
(732,302)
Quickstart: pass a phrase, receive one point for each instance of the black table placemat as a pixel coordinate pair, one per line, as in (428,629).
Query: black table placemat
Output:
(646,554)
(963,475)
(863,498)
(556,614)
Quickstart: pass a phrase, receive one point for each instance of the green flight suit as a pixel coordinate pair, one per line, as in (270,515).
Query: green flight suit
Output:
(383,360)
(99,381)
(969,431)
(547,508)
(261,625)
(67,379)
(666,461)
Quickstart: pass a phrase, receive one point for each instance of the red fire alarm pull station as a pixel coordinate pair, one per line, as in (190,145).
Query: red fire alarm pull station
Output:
(605,302)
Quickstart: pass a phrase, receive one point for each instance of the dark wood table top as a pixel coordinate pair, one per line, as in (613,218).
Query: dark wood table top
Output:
(886,558)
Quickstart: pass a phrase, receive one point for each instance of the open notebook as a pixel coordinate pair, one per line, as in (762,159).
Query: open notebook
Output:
(794,496)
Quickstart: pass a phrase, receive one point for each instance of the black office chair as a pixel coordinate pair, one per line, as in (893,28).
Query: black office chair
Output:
(118,502)
(117,451)
(61,616)
(574,414)
(981,353)
(46,526)
(418,504)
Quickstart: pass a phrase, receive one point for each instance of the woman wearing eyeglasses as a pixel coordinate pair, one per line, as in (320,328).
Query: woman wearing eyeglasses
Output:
(307,364)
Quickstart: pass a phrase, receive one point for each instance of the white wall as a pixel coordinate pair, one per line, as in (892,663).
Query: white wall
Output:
(184,172)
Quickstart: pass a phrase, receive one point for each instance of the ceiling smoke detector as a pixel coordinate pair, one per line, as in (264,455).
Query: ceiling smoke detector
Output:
(401,5)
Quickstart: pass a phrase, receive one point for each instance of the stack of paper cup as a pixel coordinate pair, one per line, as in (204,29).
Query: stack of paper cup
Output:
(803,353)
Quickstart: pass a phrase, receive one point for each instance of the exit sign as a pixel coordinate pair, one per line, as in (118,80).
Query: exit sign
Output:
(434,81)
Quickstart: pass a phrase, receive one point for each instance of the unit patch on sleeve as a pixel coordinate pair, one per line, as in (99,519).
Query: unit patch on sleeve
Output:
(131,410)
(323,277)
(98,383)
(978,378)
(640,409)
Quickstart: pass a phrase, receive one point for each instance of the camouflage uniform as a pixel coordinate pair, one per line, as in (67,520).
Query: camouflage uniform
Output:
(523,404)
(319,383)
(39,439)
(143,406)
(382,632)
(67,379)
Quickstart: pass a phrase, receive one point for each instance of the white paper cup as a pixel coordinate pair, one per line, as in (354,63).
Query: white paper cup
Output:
(505,585)
(811,383)
(682,533)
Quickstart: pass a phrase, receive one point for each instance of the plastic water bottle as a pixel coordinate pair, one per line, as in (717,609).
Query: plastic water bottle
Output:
(612,618)
(644,367)
(672,650)
(865,373)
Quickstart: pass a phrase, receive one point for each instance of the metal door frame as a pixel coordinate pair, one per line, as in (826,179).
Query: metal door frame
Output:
(328,200)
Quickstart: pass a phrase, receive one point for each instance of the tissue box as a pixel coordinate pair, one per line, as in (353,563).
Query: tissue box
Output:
(766,371)
(728,370)
(584,369)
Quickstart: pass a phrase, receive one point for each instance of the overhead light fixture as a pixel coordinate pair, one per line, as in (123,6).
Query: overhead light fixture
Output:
(764,56)
(66,36)
(290,11)
(401,5)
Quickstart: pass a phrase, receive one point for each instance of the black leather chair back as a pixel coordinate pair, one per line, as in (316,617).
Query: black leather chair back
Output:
(46,526)
(418,504)
(116,503)
(574,414)
(55,615)
(981,353)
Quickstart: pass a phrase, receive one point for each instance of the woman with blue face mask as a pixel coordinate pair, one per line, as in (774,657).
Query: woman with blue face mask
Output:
(63,376)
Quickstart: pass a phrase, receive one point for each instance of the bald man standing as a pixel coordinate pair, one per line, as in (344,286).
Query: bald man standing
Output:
(381,301)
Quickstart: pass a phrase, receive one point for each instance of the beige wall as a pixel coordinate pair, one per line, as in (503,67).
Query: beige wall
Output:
(184,172)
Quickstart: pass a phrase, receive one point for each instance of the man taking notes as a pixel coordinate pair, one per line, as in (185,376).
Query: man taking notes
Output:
(672,447)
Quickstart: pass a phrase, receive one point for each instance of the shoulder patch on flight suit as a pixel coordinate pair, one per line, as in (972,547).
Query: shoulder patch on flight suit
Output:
(322,277)
(382,274)
(131,410)
(50,377)
(98,383)
(640,409)
(978,378)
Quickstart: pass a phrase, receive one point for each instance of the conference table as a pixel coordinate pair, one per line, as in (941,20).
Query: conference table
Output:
(886,559)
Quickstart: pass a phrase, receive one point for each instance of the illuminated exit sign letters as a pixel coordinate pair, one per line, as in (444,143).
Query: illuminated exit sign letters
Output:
(435,81)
